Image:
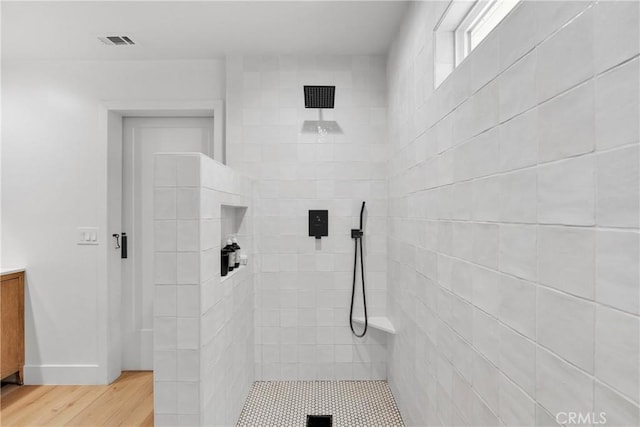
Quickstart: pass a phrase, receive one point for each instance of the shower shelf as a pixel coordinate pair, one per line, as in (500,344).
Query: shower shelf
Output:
(378,322)
(231,274)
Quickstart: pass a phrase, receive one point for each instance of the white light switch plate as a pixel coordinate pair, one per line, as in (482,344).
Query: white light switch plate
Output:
(87,235)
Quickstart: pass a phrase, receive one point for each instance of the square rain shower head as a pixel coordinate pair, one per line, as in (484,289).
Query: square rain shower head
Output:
(319,96)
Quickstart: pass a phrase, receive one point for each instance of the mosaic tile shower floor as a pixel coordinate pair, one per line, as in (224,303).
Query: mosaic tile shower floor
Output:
(352,403)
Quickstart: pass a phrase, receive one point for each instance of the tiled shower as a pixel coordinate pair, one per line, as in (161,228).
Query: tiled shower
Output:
(303,289)
(513,220)
(501,237)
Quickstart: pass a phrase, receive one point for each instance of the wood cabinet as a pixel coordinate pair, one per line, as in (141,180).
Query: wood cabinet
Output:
(12,325)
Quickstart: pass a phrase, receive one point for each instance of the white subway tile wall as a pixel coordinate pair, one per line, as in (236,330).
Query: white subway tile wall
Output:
(203,326)
(513,237)
(303,288)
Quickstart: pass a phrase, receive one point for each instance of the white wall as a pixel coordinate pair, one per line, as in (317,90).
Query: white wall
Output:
(54,179)
(513,230)
(304,285)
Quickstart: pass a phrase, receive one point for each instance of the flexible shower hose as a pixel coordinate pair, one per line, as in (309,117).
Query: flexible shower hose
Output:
(358,237)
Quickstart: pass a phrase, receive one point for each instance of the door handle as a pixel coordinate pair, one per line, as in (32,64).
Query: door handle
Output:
(123,248)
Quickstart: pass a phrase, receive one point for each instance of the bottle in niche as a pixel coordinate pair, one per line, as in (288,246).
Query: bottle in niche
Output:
(238,253)
(232,254)
(224,261)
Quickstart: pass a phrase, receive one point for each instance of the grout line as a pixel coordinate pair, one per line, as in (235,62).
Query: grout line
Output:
(618,65)
(632,230)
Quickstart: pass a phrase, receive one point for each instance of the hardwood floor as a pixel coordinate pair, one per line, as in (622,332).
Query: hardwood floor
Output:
(126,402)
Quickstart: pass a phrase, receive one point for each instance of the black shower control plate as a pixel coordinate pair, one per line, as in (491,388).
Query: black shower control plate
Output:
(318,223)
(356,233)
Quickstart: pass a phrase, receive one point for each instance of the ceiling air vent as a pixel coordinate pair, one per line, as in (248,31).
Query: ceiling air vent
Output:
(116,40)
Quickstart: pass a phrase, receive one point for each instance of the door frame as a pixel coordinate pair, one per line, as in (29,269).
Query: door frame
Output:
(109,274)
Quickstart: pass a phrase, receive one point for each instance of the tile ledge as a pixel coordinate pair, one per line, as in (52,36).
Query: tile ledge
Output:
(378,322)
(231,274)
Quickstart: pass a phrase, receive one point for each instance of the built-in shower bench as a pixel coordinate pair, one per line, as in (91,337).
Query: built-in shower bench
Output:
(378,322)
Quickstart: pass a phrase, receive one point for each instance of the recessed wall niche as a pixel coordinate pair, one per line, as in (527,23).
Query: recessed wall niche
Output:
(232,224)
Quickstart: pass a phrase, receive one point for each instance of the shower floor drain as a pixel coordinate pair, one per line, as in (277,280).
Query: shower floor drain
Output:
(319,420)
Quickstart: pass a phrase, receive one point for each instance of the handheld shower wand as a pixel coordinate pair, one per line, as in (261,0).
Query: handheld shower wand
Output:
(357,235)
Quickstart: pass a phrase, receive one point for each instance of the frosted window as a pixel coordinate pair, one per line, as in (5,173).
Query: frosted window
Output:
(488,19)
(463,25)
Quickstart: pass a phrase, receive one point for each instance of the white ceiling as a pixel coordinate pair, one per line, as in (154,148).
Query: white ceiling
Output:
(197,29)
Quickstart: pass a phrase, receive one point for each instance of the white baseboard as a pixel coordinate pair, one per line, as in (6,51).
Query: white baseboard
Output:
(63,374)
